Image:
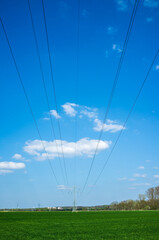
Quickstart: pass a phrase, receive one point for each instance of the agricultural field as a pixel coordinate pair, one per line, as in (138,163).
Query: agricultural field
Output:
(131,225)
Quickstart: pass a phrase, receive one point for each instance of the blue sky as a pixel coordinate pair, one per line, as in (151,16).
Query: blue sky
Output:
(25,175)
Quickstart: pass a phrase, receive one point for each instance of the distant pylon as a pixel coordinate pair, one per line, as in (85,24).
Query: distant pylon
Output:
(74,201)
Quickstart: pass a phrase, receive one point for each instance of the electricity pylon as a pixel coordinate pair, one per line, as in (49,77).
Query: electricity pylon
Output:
(74,201)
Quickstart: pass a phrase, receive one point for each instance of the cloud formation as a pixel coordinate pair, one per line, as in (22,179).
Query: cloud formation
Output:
(117,48)
(4,171)
(69,109)
(11,165)
(132,179)
(63,187)
(141,184)
(72,109)
(140,175)
(110,127)
(55,114)
(157,67)
(111,30)
(46,118)
(151,3)
(122,5)
(156,176)
(17,156)
(91,113)
(83,147)
(122,179)
(141,167)
(155,167)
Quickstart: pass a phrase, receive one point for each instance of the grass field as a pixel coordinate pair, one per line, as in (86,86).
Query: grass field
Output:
(82,225)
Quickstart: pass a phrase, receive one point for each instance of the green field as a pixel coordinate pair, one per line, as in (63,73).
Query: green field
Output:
(131,225)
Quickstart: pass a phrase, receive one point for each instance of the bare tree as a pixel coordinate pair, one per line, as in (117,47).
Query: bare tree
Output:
(157,193)
(142,197)
(150,194)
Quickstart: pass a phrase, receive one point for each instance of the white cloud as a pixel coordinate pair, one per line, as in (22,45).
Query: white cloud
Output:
(107,127)
(84,147)
(122,179)
(46,118)
(122,5)
(140,175)
(149,19)
(4,171)
(157,67)
(151,3)
(132,188)
(141,167)
(11,165)
(148,161)
(111,30)
(155,167)
(132,179)
(92,114)
(111,121)
(117,48)
(17,156)
(55,114)
(141,184)
(156,176)
(69,109)
(89,114)
(63,187)
(114,46)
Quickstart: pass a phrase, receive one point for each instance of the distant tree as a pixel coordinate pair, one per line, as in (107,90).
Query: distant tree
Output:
(156,193)
(114,205)
(142,197)
(129,204)
(142,203)
(152,194)
(121,205)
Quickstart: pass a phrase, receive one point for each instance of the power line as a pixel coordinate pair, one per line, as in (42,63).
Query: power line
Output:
(53,84)
(77,86)
(27,99)
(128,116)
(114,84)
(43,81)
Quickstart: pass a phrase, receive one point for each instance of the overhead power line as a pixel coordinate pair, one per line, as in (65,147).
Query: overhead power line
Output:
(128,116)
(44,84)
(114,85)
(27,99)
(77,87)
(53,85)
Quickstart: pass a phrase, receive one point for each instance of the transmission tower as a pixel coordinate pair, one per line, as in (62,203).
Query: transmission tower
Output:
(74,201)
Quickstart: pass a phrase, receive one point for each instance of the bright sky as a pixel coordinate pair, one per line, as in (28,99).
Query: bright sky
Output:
(26,178)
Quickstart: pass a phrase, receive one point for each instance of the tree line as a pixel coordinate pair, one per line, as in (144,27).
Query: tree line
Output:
(147,201)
